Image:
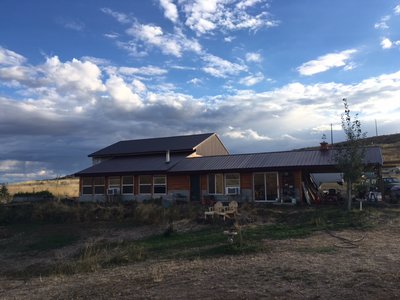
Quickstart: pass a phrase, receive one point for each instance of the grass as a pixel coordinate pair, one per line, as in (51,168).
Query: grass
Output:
(200,244)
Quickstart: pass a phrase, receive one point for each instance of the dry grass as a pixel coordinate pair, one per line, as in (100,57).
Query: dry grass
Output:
(63,188)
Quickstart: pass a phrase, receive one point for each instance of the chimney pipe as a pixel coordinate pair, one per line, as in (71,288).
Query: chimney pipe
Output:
(324,146)
(167,157)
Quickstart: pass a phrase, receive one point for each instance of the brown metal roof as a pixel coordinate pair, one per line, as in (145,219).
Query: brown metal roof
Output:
(271,160)
(185,143)
(132,165)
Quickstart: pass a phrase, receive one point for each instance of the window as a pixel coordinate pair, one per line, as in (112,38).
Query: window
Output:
(145,184)
(160,184)
(265,186)
(98,185)
(114,184)
(215,184)
(127,185)
(87,185)
(232,184)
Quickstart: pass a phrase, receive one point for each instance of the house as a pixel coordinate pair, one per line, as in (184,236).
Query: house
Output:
(196,167)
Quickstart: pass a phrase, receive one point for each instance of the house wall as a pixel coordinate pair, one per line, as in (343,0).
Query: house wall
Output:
(211,146)
(178,187)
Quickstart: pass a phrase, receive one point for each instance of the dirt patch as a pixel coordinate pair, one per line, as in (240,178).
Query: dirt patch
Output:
(322,266)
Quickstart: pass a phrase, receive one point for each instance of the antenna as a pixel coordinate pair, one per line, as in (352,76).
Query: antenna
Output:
(376,128)
(331,135)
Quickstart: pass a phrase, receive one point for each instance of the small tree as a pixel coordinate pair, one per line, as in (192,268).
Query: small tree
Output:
(350,155)
(4,194)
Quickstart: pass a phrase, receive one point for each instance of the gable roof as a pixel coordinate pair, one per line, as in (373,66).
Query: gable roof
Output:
(186,143)
(270,160)
(132,165)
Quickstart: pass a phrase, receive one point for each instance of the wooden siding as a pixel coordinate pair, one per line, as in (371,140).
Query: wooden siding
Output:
(246,181)
(210,147)
(297,184)
(178,182)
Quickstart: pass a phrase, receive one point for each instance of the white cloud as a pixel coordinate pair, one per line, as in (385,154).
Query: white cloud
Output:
(74,25)
(10,58)
(206,16)
(120,17)
(169,44)
(139,86)
(247,134)
(397,10)
(144,71)
(326,62)
(252,79)
(219,67)
(170,10)
(382,24)
(253,57)
(386,43)
(122,94)
(195,81)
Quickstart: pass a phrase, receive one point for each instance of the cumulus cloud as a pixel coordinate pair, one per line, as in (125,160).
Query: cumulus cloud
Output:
(170,44)
(170,10)
(386,43)
(397,10)
(252,79)
(122,94)
(207,16)
(10,58)
(326,62)
(219,67)
(247,134)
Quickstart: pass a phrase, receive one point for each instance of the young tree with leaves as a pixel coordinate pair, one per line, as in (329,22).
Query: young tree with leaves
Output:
(350,155)
(4,194)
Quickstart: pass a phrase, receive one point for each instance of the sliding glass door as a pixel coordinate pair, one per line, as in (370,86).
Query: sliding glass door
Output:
(265,186)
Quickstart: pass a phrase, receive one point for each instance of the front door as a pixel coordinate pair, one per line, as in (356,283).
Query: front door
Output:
(194,187)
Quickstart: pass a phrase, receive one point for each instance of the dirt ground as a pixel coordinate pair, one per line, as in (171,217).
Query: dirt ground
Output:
(321,266)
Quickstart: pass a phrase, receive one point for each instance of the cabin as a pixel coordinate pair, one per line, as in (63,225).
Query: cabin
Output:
(199,168)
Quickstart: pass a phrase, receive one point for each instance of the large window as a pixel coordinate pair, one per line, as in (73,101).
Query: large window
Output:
(265,187)
(127,185)
(215,184)
(145,182)
(87,185)
(114,184)
(232,184)
(160,184)
(98,183)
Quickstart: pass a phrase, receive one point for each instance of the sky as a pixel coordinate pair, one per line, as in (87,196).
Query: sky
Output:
(76,76)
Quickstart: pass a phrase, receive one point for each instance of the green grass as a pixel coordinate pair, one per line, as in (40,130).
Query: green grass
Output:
(50,242)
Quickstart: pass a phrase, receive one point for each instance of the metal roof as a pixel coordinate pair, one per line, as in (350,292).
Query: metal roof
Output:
(252,162)
(185,143)
(132,164)
(271,160)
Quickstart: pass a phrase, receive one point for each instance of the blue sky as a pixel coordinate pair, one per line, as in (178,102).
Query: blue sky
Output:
(76,76)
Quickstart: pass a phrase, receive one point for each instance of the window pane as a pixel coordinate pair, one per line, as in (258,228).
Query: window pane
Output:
(127,189)
(127,180)
(115,181)
(145,189)
(211,184)
(99,181)
(159,179)
(272,186)
(219,184)
(259,187)
(159,189)
(87,180)
(99,190)
(145,179)
(232,180)
(87,190)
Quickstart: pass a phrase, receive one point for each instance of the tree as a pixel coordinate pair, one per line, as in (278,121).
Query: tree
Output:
(4,194)
(350,155)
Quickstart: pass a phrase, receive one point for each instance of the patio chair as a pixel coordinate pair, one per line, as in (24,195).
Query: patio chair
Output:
(217,209)
(230,210)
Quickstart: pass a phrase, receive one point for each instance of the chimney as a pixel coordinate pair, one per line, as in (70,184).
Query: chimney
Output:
(324,146)
(167,157)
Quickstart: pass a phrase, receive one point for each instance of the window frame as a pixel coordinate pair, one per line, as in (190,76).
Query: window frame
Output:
(95,185)
(123,185)
(215,176)
(226,185)
(145,184)
(159,184)
(265,187)
(87,185)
